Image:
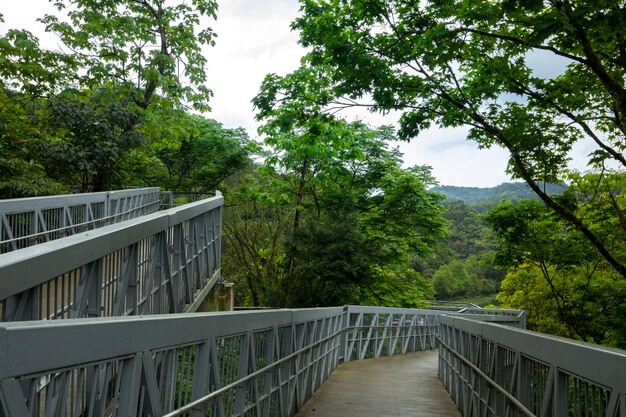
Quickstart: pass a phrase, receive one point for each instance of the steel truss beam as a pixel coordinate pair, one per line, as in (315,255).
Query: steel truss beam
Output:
(250,363)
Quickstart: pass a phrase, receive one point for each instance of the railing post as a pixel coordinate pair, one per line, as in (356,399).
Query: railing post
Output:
(201,376)
(344,335)
(560,393)
(107,209)
(34,227)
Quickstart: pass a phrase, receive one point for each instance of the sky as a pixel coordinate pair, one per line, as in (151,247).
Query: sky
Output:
(255,39)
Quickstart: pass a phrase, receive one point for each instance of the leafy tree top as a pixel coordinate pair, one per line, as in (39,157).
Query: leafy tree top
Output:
(147,47)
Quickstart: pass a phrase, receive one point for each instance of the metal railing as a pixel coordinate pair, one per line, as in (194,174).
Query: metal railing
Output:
(26,222)
(379,331)
(149,265)
(492,370)
(252,363)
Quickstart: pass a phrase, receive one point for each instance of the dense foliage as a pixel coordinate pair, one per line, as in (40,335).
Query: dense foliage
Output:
(328,214)
(462,265)
(331,218)
(109,109)
(555,272)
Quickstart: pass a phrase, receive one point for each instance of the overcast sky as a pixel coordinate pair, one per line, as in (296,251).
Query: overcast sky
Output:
(254,39)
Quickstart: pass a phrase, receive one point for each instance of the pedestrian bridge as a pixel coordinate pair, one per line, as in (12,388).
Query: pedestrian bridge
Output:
(101,322)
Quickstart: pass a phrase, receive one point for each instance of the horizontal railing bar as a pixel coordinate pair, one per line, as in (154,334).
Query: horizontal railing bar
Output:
(486,317)
(60,351)
(500,313)
(392,310)
(490,381)
(408,326)
(99,219)
(234,384)
(57,340)
(17,205)
(601,365)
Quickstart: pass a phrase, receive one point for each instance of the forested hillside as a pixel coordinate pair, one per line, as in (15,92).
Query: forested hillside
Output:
(482,198)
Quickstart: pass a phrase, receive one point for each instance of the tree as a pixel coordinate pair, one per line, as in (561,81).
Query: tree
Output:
(465,63)
(20,174)
(332,261)
(255,224)
(88,134)
(29,70)
(470,233)
(552,263)
(126,70)
(27,73)
(335,212)
(145,47)
(205,155)
(466,278)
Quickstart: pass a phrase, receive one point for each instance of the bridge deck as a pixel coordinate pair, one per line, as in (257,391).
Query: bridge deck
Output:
(403,385)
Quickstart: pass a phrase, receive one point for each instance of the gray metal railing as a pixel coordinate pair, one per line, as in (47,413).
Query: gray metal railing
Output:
(252,363)
(26,222)
(492,370)
(148,265)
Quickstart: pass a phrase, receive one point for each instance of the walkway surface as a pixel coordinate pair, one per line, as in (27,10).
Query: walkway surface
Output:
(402,385)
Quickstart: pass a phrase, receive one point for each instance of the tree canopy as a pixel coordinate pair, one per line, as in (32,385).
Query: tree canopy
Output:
(92,114)
(467,63)
(332,217)
(556,272)
(145,47)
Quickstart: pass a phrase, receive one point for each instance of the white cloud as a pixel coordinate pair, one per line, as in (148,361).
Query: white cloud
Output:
(254,39)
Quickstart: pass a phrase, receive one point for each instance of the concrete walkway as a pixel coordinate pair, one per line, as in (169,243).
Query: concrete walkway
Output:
(402,385)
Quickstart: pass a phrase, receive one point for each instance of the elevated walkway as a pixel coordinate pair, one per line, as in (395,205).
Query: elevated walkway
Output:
(93,325)
(392,386)
(128,263)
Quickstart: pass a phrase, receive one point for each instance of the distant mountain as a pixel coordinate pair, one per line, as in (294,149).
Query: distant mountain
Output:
(484,197)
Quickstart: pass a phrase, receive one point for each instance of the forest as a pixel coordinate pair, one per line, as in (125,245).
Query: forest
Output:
(321,210)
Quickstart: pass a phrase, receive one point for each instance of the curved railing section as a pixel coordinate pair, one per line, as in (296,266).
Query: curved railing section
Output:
(26,222)
(148,265)
(251,363)
(385,331)
(492,370)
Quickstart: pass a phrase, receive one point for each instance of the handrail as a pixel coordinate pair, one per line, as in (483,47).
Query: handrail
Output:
(490,381)
(548,375)
(79,225)
(158,260)
(30,221)
(225,389)
(17,205)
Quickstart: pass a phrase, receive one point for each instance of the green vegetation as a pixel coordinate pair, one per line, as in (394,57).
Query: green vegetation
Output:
(111,111)
(330,215)
(462,265)
(331,218)
(456,63)
(453,63)
(555,272)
